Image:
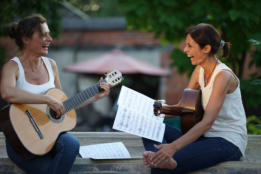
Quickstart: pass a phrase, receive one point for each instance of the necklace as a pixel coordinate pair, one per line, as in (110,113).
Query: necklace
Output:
(206,79)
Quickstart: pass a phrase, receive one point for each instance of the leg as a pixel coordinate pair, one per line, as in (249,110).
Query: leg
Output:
(37,165)
(59,160)
(65,151)
(204,153)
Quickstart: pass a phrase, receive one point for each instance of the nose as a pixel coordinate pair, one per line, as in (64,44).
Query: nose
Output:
(185,49)
(50,38)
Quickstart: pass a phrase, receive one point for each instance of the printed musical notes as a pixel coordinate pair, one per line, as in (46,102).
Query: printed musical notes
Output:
(135,116)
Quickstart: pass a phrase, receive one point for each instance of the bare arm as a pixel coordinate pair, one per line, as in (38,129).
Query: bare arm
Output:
(221,87)
(11,94)
(193,83)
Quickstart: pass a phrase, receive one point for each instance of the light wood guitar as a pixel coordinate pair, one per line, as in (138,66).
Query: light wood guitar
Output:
(189,109)
(32,129)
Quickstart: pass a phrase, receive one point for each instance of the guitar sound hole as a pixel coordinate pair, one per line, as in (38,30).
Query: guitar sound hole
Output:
(53,114)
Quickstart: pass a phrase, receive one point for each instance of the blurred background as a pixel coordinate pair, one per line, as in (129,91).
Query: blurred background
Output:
(140,33)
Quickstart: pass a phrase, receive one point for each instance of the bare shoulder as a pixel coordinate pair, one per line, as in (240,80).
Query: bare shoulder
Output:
(197,69)
(195,73)
(10,66)
(53,63)
(225,76)
(226,80)
(10,71)
(193,83)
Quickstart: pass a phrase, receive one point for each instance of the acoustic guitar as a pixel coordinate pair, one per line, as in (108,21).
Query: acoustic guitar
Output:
(32,129)
(189,109)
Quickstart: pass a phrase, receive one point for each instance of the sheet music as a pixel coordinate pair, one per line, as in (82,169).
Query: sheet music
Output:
(134,100)
(135,116)
(115,150)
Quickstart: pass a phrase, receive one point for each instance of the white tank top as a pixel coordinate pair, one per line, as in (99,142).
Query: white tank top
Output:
(230,123)
(21,82)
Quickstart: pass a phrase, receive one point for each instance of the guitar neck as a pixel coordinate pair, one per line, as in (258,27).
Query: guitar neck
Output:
(81,97)
(175,110)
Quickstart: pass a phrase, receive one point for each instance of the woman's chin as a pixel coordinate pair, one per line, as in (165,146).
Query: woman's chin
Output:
(44,53)
(193,62)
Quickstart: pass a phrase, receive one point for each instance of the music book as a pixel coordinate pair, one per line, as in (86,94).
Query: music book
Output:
(135,115)
(116,150)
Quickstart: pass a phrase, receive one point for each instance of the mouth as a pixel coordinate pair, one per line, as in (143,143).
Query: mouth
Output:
(45,47)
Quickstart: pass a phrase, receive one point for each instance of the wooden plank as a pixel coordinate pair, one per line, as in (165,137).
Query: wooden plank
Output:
(251,164)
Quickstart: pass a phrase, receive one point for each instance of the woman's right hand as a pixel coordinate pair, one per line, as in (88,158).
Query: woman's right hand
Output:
(157,107)
(56,106)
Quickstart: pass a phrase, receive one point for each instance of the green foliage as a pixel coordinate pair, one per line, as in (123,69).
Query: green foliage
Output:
(182,62)
(253,125)
(256,55)
(251,92)
(15,10)
(239,22)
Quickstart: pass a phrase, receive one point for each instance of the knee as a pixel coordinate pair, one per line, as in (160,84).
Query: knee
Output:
(74,146)
(68,143)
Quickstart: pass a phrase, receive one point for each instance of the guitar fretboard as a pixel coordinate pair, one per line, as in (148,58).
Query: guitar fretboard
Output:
(81,97)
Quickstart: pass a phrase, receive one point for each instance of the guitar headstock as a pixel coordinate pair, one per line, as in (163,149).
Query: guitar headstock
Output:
(113,77)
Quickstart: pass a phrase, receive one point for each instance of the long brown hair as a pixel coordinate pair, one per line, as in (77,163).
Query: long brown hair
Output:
(207,34)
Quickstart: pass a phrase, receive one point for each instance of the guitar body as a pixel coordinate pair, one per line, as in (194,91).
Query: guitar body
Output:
(21,133)
(191,100)
(189,109)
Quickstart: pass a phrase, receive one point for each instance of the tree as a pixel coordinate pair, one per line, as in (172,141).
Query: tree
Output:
(13,10)
(239,22)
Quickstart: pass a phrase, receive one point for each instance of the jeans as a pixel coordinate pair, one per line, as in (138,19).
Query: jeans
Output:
(202,153)
(58,161)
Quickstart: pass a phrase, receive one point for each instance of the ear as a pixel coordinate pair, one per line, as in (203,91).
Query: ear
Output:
(25,40)
(206,49)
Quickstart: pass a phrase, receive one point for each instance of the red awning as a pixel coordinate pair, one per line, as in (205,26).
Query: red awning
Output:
(115,59)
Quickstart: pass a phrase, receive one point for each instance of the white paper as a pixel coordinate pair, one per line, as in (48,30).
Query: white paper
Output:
(115,150)
(135,116)
(134,100)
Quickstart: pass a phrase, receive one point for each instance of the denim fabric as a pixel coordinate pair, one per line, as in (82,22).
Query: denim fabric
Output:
(203,153)
(59,160)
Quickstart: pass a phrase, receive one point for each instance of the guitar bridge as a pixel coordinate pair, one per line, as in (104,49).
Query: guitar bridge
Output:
(34,124)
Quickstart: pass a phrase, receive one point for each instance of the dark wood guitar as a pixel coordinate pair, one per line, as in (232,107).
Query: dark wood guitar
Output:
(189,109)
(32,129)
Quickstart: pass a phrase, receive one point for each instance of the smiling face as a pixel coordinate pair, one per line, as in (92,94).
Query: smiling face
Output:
(196,54)
(39,42)
(193,51)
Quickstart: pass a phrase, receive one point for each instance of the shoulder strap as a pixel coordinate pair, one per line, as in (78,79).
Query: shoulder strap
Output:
(200,77)
(49,67)
(20,68)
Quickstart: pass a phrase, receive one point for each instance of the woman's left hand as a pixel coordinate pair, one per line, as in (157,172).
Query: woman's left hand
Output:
(163,156)
(106,90)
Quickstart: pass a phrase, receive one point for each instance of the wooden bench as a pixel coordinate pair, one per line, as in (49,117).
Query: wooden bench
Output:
(251,164)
